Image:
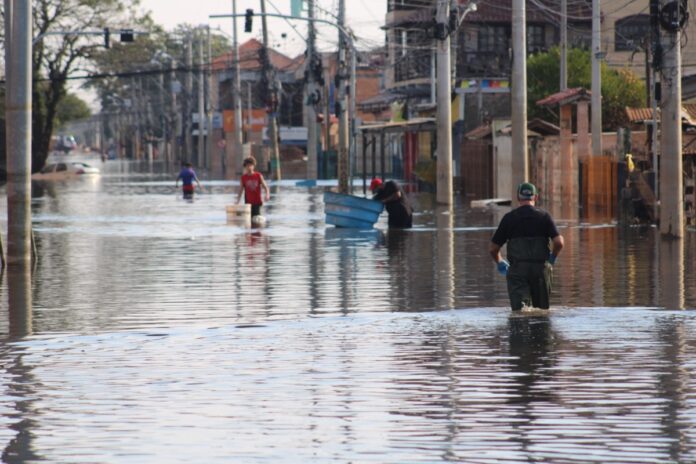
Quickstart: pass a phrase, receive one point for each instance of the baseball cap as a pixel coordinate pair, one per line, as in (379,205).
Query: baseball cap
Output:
(526,191)
(375,184)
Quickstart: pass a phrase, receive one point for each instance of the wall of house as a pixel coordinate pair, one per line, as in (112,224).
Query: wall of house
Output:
(613,11)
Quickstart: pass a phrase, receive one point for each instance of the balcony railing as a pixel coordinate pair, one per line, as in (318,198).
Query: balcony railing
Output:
(483,64)
(414,65)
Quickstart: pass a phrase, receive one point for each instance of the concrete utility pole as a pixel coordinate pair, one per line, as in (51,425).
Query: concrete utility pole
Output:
(444,104)
(596,79)
(238,135)
(520,164)
(209,145)
(343,132)
(18,128)
(312,92)
(188,84)
(564,45)
(272,96)
(200,152)
(353,130)
(671,172)
(176,119)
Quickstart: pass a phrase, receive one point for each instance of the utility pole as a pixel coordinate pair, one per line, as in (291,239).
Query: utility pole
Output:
(18,113)
(342,95)
(188,83)
(238,136)
(444,112)
(353,129)
(200,152)
(671,172)
(250,108)
(272,96)
(564,45)
(311,101)
(209,145)
(176,122)
(596,79)
(520,165)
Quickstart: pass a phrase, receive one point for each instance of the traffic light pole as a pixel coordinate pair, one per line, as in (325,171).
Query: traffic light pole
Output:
(272,92)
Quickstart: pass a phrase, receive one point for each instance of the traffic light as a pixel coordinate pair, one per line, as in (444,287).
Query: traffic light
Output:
(248,18)
(127,35)
(107,38)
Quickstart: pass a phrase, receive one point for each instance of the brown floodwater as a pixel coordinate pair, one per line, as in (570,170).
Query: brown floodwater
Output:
(153,331)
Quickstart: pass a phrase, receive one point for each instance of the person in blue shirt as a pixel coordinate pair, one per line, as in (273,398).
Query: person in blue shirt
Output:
(188,176)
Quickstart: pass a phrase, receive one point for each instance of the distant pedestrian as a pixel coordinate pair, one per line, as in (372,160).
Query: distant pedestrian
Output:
(188,176)
(251,184)
(395,201)
(533,244)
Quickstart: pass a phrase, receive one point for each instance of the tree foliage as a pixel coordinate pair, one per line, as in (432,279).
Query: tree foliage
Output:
(71,108)
(141,78)
(57,57)
(620,88)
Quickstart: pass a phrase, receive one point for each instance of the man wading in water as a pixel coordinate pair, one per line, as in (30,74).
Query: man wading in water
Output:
(528,232)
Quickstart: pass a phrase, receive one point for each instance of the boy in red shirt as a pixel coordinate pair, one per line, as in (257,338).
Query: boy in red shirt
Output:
(251,184)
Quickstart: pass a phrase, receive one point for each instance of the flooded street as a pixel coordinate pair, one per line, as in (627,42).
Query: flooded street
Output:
(158,333)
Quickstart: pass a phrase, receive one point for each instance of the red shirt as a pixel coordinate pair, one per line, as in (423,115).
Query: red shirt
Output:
(252,188)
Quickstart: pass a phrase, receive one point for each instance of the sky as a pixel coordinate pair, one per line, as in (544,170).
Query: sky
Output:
(364,17)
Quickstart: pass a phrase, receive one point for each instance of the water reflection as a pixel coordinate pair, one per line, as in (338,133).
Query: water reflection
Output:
(444,265)
(671,259)
(153,314)
(19,287)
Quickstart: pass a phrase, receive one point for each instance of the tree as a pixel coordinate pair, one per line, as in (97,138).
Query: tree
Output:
(620,88)
(57,57)
(71,108)
(145,71)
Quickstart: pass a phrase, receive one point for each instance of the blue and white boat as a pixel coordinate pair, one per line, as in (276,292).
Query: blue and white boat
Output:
(351,211)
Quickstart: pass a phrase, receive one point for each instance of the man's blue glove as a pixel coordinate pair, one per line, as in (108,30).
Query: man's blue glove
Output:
(552,258)
(503,267)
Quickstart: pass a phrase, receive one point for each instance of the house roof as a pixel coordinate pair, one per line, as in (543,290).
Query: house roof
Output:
(415,124)
(566,97)
(535,128)
(250,58)
(641,115)
(380,101)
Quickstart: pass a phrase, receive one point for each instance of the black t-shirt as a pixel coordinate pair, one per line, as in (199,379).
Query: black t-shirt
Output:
(399,209)
(525,221)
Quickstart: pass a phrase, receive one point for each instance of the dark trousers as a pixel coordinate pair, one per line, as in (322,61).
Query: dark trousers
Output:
(529,284)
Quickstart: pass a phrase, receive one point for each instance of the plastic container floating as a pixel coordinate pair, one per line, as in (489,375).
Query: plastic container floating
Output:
(239,215)
(351,211)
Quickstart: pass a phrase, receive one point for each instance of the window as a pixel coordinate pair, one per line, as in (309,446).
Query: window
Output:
(493,39)
(630,32)
(536,38)
(61,167)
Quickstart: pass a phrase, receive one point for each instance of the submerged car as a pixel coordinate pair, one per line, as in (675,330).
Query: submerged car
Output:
(65,171)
